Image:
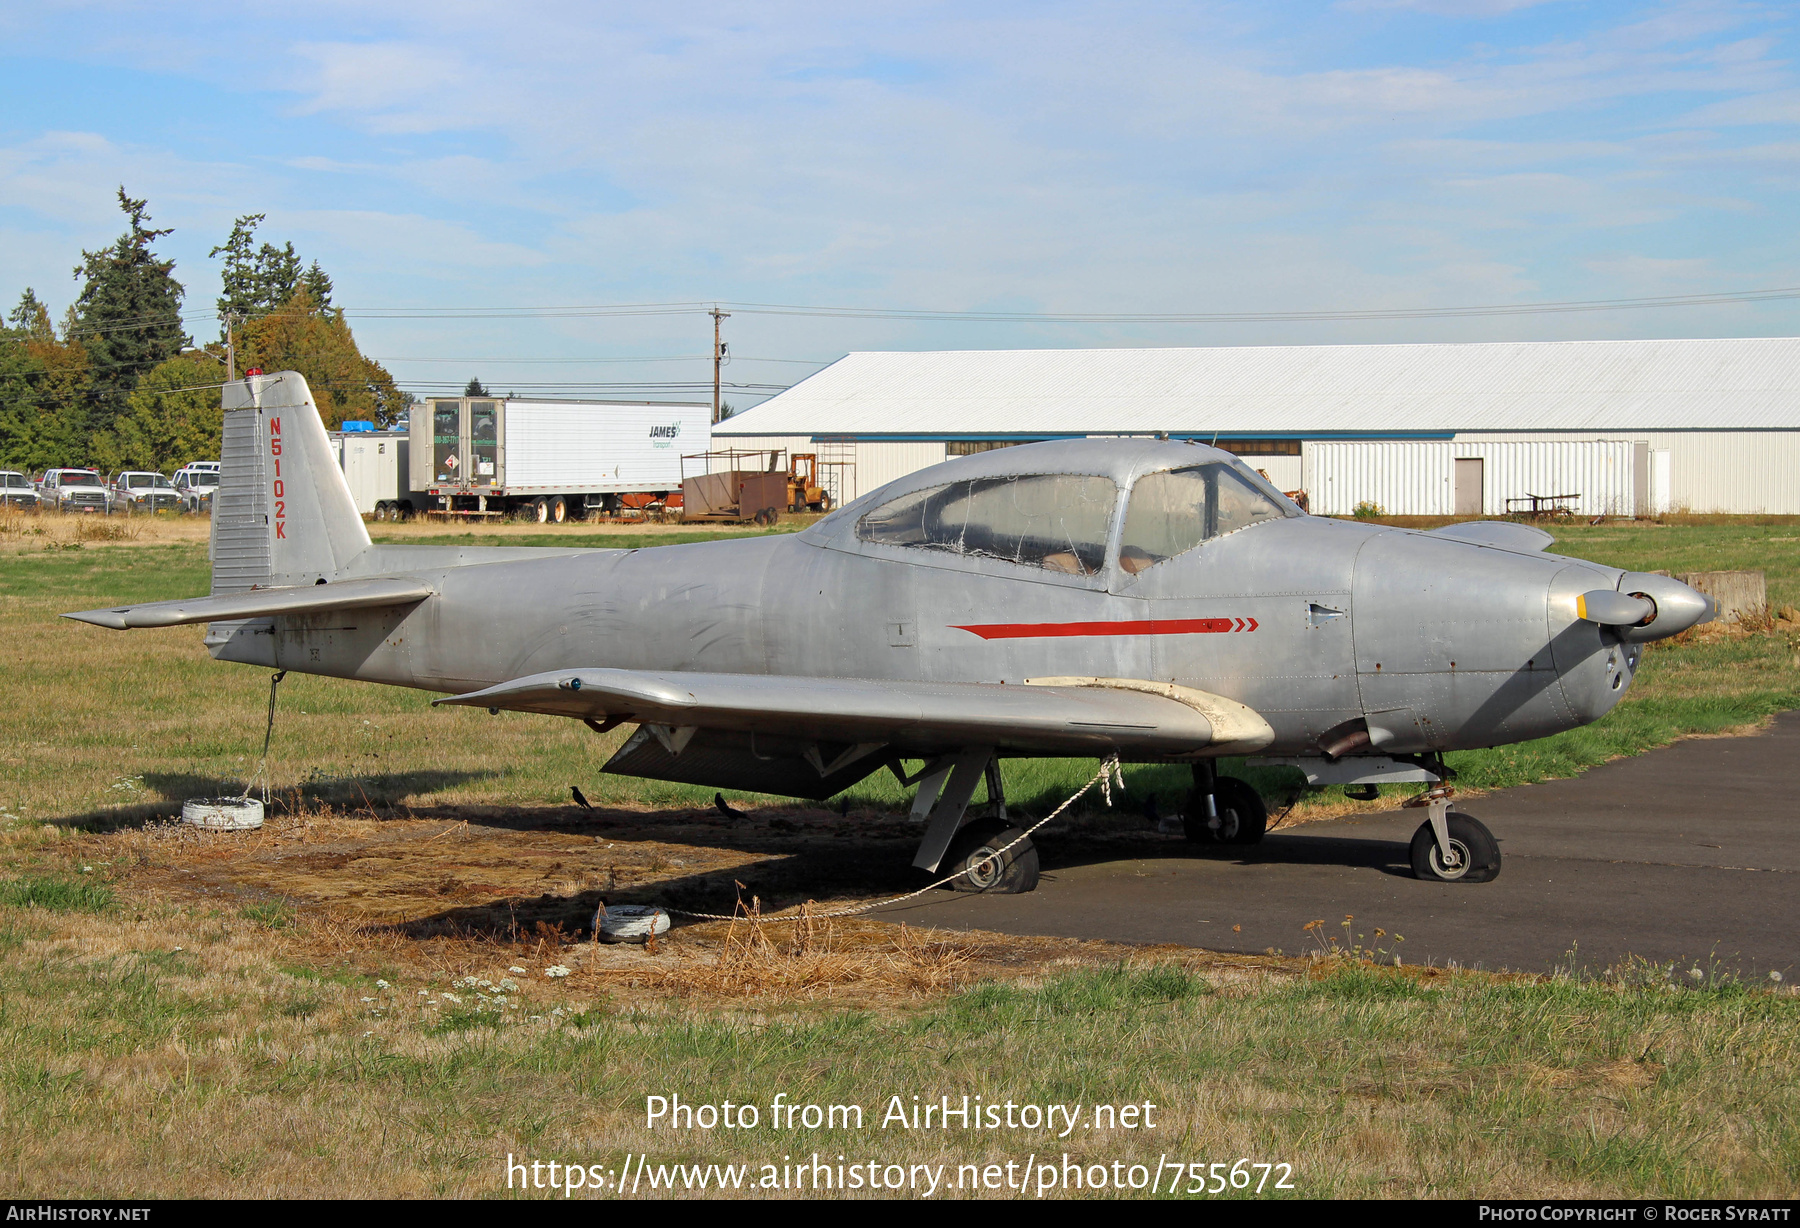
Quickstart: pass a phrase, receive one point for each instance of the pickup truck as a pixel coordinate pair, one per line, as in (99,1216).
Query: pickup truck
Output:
(136,490)
(16,490)
(74,490)
(194,486)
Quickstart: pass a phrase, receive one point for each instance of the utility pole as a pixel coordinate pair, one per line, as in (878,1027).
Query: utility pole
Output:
(718,357)
(230,347)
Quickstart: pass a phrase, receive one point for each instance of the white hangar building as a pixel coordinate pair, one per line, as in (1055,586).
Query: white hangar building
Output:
(1614,427)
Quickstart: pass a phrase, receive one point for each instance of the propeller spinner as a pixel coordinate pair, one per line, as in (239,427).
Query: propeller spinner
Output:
(1646,607)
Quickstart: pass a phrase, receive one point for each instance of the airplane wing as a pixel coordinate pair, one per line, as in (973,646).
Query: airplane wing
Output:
(823,719)
(261,603)
(1505,534)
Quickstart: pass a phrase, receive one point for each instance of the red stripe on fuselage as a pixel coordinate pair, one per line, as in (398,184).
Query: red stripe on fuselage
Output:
(1144,626)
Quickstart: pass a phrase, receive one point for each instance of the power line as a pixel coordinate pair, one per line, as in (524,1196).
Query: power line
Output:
(1553,307)
(806,362)
(1708,299)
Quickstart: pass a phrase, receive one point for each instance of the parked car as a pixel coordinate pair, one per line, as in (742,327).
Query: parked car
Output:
(16,490)
(138,490)
(74,490)
(194,486)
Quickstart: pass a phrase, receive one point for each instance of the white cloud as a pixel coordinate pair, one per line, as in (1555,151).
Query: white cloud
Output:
(1131,157)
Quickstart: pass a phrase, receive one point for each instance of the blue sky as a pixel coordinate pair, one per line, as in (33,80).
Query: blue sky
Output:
(1044,157)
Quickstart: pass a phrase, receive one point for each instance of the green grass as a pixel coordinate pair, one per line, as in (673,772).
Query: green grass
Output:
(275,915)
(56,893)
(228,1078)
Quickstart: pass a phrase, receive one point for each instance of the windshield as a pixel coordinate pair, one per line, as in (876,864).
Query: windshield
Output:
(202,478)
(74,478)
(16,480)
(1054,521)
(1174,511)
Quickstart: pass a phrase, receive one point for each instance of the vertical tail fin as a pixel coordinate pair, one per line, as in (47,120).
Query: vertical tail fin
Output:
(283,513)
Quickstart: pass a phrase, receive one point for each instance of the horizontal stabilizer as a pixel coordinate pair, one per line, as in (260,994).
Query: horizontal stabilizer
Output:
(261,603)
(1080,718)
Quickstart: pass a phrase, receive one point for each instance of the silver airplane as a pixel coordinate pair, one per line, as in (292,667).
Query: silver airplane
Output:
(1156,600)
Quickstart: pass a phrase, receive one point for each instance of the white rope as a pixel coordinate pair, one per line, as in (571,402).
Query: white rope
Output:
(1109,770)
(262,767)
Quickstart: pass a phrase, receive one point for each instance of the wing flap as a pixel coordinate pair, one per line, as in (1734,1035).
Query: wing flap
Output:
(1081,717)
(261,603)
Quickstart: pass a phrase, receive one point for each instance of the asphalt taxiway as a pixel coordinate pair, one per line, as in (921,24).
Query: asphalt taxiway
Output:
(1689,853)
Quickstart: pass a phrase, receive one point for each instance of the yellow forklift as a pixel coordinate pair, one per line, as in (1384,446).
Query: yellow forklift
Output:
(804,492)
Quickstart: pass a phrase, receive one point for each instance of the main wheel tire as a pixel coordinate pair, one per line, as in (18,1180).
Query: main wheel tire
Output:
(976,849)
(1476,852)
(559,510)
(1243,819)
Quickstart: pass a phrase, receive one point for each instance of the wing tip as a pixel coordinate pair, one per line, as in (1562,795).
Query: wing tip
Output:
(112,620)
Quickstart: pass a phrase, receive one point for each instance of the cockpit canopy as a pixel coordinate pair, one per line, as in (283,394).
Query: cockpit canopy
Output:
(1065,522)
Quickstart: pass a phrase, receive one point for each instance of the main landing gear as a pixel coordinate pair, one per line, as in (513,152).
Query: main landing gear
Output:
(985,854)
(1223,809)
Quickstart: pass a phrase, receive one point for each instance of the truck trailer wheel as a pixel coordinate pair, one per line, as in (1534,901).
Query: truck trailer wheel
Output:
(559,510)
(540,510)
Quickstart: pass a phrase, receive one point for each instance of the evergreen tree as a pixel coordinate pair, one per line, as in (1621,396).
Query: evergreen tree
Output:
(128,315)
(32,318)
(476,388)
(258,280)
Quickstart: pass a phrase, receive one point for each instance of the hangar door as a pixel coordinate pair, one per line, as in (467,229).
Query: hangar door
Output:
(1469,486)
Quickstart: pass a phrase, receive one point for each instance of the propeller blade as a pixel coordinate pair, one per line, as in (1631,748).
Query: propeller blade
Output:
(1614,609)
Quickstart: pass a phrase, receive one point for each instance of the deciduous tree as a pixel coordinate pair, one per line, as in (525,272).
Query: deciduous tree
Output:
(315,341)
(174,416)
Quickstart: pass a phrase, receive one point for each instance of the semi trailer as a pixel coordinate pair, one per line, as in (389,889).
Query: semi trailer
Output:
(553,460)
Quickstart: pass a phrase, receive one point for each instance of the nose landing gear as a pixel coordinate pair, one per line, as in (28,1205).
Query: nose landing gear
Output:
(1451,846)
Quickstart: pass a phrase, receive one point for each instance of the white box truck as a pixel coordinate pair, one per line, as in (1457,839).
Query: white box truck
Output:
(554,460)
(375,465)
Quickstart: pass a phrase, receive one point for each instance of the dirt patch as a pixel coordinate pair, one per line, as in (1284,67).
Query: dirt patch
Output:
(471,891)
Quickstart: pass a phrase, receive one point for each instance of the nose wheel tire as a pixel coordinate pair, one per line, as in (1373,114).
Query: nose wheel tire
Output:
(976,849)
(1243,819)
(1474,853)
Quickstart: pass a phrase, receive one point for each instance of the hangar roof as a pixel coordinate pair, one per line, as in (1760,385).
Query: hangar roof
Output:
(1311,390)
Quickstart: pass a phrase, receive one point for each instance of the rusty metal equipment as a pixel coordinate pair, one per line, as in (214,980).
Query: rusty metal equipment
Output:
(735,493)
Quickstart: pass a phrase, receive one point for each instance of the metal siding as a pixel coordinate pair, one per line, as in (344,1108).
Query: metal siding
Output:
(877,464)
(1614,387)
(1737,472)
(1417,477)
(1286,472)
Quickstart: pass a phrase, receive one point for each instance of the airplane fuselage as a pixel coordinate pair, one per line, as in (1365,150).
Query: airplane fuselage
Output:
(1437,644)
